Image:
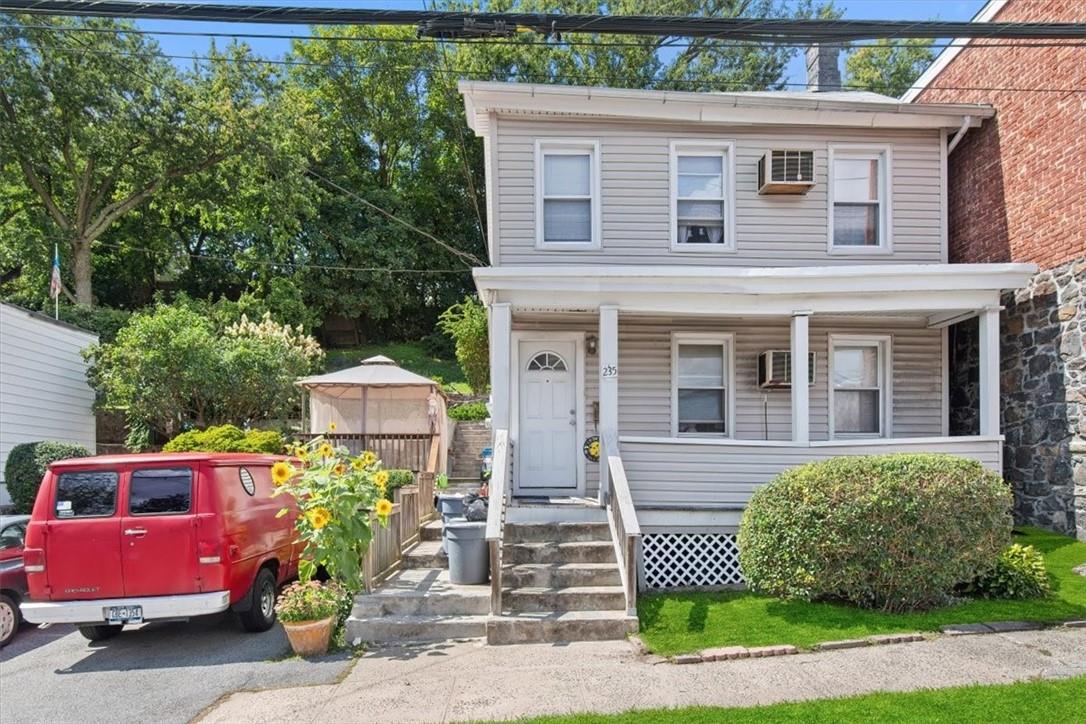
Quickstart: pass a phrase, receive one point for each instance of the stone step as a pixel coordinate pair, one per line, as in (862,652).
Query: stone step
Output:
(405,629)
(431,531)
(426,554)
(561,575)
(566,532)
(422,592)
(560,626)
(579,598)
(551,552)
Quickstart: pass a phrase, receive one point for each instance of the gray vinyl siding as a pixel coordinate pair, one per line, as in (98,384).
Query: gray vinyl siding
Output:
(770,230)
(644,380)
(669,475)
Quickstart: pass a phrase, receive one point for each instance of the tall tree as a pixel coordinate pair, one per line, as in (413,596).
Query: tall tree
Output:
(99,123)
(887,66)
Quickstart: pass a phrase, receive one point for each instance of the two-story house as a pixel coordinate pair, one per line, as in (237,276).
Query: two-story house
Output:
(688,294)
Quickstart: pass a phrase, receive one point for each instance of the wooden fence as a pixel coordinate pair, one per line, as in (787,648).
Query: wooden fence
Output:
(403,452)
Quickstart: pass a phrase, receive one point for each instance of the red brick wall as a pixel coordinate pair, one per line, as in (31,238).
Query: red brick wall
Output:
(1018,183)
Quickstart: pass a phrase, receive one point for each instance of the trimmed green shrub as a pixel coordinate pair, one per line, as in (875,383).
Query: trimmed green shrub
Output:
(893,532)
(227,438)
(469,412)
(1018,573)
(26,466)
(396,480)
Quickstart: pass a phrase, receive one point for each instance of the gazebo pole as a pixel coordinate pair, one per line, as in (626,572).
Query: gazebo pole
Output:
(365,403)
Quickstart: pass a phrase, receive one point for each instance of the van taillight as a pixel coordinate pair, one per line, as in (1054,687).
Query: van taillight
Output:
(208,552)
(34,560)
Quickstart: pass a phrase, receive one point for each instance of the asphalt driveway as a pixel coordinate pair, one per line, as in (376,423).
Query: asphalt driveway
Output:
(163,672)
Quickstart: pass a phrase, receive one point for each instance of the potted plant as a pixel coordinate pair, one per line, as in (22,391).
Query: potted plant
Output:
(308,611)
(337,498)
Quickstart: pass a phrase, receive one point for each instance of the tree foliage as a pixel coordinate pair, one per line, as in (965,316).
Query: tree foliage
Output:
(888,66)
(466,324)
(26,465)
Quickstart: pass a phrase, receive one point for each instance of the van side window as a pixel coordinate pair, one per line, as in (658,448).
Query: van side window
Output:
(160,491)
(86,495)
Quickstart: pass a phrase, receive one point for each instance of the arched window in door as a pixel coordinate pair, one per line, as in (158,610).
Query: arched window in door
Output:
(546,361)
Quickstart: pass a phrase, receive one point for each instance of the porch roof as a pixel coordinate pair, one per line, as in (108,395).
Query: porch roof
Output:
(920,288)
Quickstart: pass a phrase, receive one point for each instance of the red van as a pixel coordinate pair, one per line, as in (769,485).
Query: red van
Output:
(124,539)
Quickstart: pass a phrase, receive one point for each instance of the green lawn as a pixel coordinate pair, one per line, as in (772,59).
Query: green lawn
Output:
(673,623)
(1050,701)
(409,355)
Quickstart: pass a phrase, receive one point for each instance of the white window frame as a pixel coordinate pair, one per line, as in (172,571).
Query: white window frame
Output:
(884,155)
(727,341)
(714,148)
(884,344)
(571,147)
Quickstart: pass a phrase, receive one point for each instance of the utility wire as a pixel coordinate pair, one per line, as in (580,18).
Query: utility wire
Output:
(659,83)
(465,24)
(521,41)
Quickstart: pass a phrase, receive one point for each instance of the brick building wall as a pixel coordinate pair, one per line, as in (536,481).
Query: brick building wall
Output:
(1018,193)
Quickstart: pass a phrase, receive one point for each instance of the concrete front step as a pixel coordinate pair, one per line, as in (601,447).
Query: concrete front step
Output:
(578,598)
(560,575)
(551,552)
(560,626)
(431,531)
(403,629)
(567,532)
(422,591)
(426,554)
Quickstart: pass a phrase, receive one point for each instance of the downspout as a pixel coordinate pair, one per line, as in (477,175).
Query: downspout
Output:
(966,121)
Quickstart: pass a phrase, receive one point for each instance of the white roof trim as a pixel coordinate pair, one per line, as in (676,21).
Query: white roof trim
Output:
(862,110)
(950,52)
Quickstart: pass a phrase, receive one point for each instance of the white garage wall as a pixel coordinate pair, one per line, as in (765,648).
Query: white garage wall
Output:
(44,393)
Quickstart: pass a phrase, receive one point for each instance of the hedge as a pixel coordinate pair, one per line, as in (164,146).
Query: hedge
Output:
(469,412)
(894,532)
(26,466)
(227,438)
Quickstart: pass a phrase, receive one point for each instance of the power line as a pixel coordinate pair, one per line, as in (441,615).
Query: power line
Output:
(530,77)
(445,24)
(520,41)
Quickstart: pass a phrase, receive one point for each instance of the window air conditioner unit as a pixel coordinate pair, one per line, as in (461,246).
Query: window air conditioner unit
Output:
(775,369)
(786,172)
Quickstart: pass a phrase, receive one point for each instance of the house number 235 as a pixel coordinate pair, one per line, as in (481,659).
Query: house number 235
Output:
(609,371)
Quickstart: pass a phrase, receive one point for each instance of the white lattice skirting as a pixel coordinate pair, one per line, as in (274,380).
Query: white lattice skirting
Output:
(671,560)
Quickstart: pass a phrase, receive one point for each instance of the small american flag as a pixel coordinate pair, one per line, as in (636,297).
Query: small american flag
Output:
(54,281)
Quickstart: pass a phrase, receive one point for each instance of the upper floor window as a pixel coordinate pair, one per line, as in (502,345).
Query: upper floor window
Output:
(859,201)
(567,196)
(701,384)
(701,197)
(859,394)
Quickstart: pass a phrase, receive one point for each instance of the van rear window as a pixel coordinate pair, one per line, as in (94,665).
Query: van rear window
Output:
(86,495)
(160,491)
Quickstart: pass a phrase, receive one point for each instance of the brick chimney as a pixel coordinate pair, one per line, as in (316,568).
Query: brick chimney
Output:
(822,71)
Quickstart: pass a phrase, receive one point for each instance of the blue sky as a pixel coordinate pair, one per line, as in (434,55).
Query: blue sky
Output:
(855,9)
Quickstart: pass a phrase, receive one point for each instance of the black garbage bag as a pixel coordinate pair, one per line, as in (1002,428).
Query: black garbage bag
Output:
(474,507)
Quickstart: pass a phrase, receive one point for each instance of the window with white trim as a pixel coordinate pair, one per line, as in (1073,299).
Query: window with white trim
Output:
(701,385)
(858,390)
(701,187)
(567,199)
(859,206)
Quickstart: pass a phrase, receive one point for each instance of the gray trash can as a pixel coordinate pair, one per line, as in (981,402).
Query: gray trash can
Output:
(469,558)
(450,505)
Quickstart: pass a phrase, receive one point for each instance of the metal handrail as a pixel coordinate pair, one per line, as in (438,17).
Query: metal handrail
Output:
(623,516)
(500,492)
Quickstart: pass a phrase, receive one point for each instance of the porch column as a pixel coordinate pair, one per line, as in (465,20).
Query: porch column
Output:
(988,389)
(501,325)
(608,353)
(801,432)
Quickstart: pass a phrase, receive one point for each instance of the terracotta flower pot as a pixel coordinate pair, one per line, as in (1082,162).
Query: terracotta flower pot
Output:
(310,638)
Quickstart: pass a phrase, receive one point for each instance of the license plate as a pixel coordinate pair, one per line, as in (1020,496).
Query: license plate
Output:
(124,614)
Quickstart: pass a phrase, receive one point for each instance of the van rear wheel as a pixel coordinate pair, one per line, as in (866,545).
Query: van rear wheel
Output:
(10,618)
(260,615)
(100,633)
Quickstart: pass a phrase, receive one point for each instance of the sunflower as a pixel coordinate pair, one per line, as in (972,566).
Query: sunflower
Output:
(318,517)
(380,479)
(326,450)
(368,458)
(302,454)
(282,472)
(331,427)
(357,465)
(383,508)
(339,469)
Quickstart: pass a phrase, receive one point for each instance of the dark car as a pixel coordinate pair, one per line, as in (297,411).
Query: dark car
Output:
(12,576)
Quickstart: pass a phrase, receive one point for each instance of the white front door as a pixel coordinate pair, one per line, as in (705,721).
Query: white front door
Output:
(546,452)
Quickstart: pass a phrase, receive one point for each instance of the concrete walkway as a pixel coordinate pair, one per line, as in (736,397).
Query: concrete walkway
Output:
(469,681)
